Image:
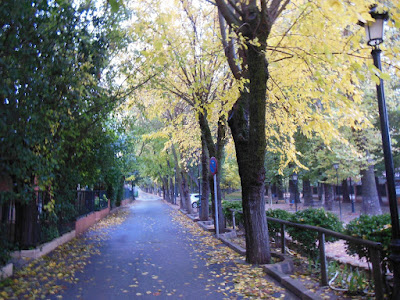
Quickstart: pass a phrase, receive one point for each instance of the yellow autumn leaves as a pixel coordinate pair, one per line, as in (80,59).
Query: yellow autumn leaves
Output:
(248,281)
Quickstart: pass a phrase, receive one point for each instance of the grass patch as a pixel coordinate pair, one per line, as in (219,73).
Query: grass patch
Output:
(233,196)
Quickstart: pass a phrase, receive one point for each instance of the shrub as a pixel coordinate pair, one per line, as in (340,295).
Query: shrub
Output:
(237,205)
(48,226)
(307,239)
(5,245)
(273,227)
(373,228)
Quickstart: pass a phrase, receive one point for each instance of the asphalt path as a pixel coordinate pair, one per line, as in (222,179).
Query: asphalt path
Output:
(148,256)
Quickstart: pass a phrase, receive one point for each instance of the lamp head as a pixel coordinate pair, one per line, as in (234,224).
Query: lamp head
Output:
(375,29)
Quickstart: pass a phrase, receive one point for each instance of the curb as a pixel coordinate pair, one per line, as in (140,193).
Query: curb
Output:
(206,225)
(44,248)
(291,284)
(231,245)
(6,271)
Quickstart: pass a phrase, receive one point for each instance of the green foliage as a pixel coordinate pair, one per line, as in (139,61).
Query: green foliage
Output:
(65,210)
(120,193)
(237,205)
(316,217)
(273,227)
(56,100)
(352,279)
(233,196)
(49,230)
(373,228)
(5,246)
(230,175)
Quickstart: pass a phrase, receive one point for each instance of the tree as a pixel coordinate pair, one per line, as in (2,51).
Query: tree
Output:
(53,99)
(310,84)
(247,118)
(195,74)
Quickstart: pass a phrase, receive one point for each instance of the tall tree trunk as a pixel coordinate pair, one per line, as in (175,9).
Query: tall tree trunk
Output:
(185,192)
(247,123)
(379,191)
(370,199)
(307,192)
(166,189)
(247,119)
(172,191)
(329,195)
(321,197)
(179,178)
(345,191)
(215,150)
(205,187)
(269,190)
(279,189)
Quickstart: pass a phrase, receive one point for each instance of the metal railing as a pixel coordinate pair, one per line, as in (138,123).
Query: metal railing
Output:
(374,249)
(42,224)
(89,201)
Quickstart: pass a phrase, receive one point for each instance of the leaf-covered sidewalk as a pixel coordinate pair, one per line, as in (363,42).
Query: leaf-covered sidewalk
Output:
(146,250)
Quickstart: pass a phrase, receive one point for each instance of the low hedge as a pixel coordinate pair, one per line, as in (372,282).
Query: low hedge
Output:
(275,228)
(374,228)
(308,239)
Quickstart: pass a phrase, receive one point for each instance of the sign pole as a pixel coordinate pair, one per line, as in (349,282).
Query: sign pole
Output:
(214,170)
(216,206)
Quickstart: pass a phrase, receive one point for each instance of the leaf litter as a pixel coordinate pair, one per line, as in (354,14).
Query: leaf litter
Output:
(240,278)
(49,274)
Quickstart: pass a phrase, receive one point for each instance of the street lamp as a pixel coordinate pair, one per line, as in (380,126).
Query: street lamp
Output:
(374,30)
(295,177)
(336,167)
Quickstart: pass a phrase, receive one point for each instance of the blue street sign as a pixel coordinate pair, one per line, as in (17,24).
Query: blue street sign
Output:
(213,165)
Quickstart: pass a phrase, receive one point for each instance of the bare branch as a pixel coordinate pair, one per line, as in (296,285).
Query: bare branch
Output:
(227,13)
(131,90)
(229,48)
(283,7)
(234,6)
(276,8)
(290,28)
(211,2)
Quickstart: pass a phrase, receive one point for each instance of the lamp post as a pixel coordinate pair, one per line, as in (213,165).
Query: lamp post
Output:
(336,167)
(295,178)
(374,30)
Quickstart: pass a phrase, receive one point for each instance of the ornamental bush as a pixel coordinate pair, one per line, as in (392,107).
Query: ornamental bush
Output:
(273,227)
(373,228)
(308,239)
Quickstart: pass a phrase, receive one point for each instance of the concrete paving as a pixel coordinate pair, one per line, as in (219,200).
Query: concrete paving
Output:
(149,257)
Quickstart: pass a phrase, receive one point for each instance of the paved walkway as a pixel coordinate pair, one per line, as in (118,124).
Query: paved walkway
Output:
(150,256)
